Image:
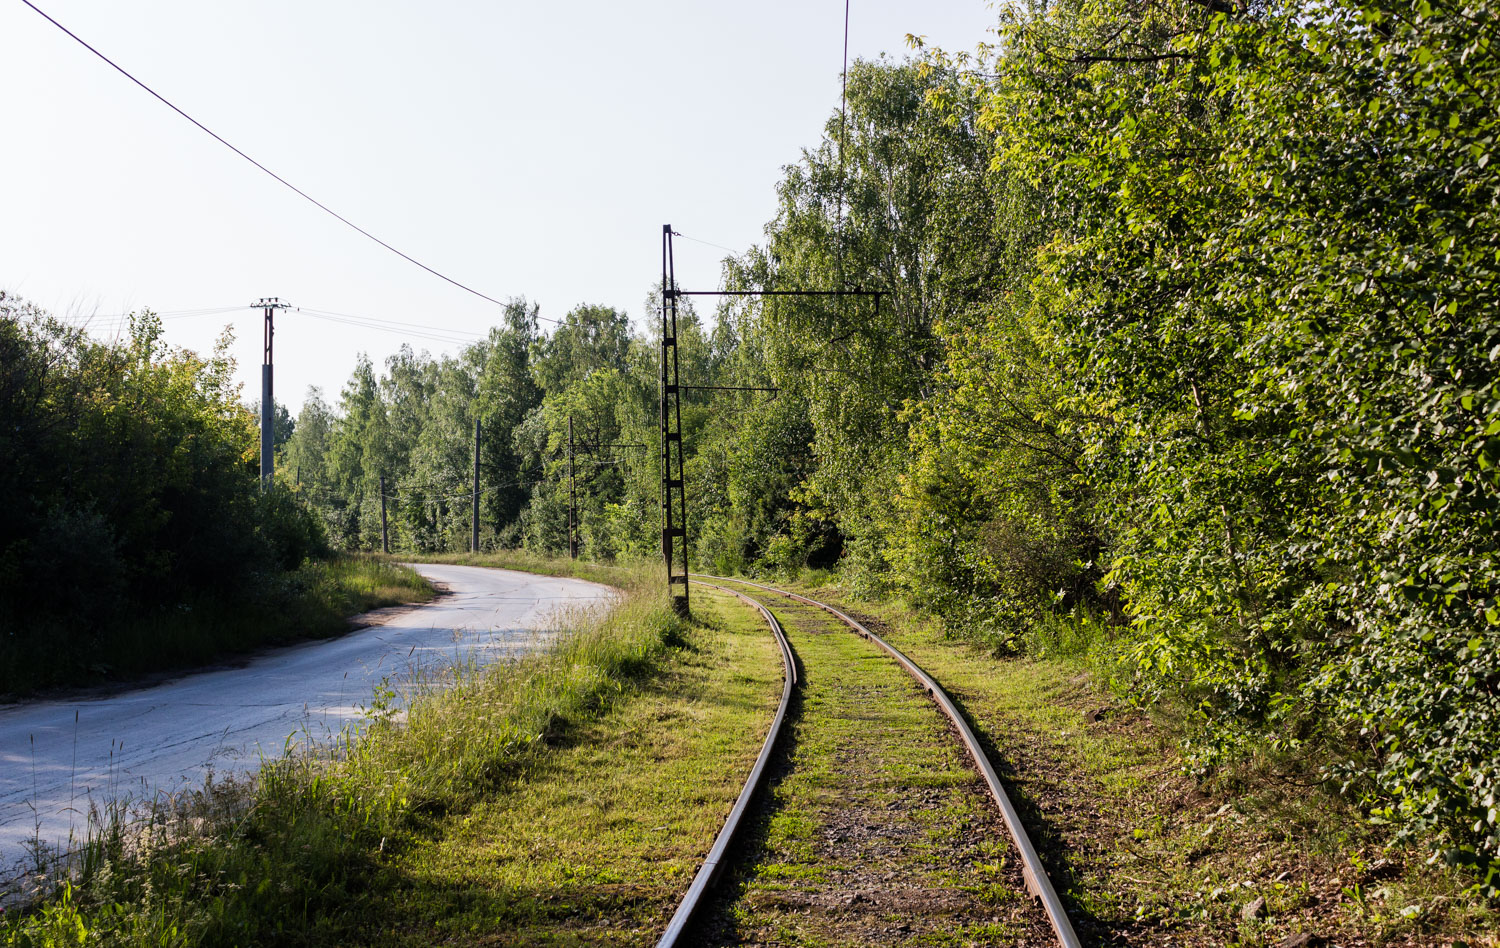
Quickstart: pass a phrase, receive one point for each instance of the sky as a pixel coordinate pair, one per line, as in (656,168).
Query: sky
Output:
(524,149)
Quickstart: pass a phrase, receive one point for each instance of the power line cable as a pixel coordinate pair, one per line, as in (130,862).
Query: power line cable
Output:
(174,314)
(314,201)
(388,322)
(434,333)
(408,333)
(426,492)
(117,322)
(678,233)
(452,335)
(190,313)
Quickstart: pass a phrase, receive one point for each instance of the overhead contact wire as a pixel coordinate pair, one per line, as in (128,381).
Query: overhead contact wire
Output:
(706,243)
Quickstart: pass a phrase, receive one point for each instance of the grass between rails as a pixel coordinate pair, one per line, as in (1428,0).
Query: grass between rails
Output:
(315,601)
(1147,856)
(876,830)
(563,798)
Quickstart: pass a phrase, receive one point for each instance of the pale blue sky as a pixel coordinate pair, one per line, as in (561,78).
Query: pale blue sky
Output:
(524,149)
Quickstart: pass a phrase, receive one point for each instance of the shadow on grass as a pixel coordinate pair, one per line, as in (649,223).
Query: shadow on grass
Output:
(56,659)
(417,908)
(457,912)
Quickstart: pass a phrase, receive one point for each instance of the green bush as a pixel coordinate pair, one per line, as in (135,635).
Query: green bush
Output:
(1273,276)
(132,497)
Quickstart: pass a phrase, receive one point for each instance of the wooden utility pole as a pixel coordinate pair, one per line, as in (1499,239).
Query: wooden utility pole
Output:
(474,540)
(385,536)
(572,498)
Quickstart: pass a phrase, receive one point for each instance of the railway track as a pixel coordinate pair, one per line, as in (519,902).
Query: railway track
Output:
(712,866)
(691,911)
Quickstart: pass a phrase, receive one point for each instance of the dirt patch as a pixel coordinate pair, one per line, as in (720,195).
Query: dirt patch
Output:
(383,615)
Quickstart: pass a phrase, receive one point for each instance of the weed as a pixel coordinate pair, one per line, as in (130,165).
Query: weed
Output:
(1145,851)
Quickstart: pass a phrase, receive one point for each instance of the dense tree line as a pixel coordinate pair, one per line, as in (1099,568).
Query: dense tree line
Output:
(1270,270)
(1190,336)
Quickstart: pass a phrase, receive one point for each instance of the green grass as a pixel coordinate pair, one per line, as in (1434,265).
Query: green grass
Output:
(600,839)
(335,589)
(315,601)
(562,798)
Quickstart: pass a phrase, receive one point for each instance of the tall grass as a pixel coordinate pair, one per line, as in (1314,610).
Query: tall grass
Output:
(302,855)
(454,745)
(314,601)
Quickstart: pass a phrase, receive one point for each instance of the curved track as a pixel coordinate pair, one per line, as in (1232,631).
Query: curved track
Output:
(1037,881)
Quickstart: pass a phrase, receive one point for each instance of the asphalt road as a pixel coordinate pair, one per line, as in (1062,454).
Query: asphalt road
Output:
(59,757)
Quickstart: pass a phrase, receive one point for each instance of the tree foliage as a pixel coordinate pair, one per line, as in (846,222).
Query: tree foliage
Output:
(1272,240)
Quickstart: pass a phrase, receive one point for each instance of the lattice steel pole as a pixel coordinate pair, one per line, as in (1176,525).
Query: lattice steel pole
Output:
(673,495)
(572,498)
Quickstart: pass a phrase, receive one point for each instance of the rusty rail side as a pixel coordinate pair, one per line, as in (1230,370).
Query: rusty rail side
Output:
(1037,881)
(709,871)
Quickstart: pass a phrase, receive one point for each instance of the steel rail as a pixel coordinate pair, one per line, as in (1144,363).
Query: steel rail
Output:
(1037,881)
(709,871)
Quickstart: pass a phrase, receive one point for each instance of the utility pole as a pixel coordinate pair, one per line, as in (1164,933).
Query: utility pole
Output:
(267,398)
(673,494)
(385,536)
(673,499)
(572,498)
(474,540)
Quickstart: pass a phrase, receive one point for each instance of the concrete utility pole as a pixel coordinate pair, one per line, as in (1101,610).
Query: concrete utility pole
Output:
(572,498)
(268,398)
(474,540)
